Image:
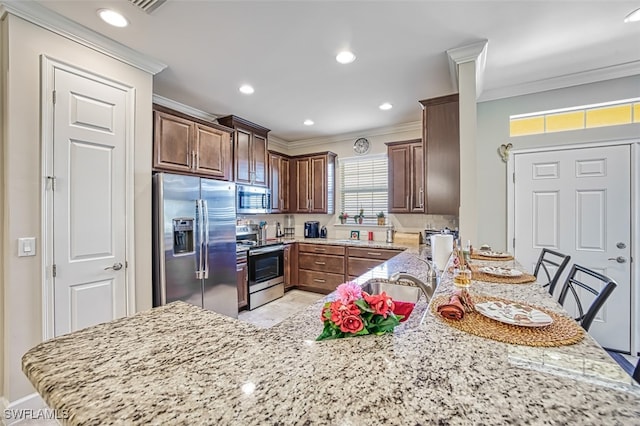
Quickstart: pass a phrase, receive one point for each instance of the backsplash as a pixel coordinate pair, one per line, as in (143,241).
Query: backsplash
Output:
(400,222)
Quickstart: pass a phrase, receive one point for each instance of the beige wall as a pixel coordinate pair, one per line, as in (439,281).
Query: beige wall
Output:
(342,145)
(23,45)
(493,130)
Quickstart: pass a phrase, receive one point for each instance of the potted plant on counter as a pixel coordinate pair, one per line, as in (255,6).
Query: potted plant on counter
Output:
(380,218)
(343,217)
(359,217)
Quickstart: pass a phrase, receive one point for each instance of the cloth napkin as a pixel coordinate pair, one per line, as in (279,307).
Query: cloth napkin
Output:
(403,308)
(452,310)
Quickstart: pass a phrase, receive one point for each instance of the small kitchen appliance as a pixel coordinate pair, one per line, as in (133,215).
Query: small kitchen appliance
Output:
(323,232)
(312,229)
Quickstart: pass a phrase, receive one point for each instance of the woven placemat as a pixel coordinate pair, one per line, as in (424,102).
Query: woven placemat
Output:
(563,331)
(477,256)
(478,275)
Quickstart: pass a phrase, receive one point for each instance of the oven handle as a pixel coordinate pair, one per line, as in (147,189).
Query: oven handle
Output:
(268,249)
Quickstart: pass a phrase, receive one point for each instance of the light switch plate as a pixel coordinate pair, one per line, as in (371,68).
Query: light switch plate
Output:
(26,246)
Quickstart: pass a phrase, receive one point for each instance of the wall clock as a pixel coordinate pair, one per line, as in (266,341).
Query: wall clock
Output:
(361,146)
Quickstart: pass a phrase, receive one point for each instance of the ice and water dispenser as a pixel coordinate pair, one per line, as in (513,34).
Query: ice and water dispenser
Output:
(183,235)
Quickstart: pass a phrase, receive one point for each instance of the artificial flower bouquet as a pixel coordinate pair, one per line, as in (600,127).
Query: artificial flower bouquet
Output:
(356,313)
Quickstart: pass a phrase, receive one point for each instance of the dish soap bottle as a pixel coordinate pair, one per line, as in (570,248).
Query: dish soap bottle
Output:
(390,234)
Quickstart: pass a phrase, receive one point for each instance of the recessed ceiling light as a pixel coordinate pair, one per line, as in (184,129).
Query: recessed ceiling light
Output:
(112,17)
(308,122)
(246,89)
(385,106)
(345,57)
(633,16)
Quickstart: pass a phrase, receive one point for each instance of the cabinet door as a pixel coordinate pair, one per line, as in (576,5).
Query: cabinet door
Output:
(242,149)
(259,160)
(399,178)
(300,191)
(417,177)
(275,182)
(318,185)
(243,284)
(172,148)
(284,185)
(288,282)
(441,136)
(213,152)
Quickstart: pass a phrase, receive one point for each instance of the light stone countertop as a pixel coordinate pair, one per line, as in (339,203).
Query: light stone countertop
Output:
(179,364)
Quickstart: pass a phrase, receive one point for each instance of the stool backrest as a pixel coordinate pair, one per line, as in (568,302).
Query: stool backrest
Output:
(572,283)
(550,258)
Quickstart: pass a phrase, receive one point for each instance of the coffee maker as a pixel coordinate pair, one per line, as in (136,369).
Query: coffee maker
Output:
(312,229)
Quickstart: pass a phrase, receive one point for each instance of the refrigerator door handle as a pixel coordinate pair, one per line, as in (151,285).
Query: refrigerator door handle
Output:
(200,238)
(205,239)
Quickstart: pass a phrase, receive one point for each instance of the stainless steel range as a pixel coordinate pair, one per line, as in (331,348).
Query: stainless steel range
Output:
(266,265)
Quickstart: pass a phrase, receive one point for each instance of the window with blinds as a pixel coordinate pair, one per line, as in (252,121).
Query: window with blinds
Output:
(364,185)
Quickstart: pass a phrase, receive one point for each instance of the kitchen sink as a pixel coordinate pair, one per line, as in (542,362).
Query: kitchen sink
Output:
(350,241)
(399,292)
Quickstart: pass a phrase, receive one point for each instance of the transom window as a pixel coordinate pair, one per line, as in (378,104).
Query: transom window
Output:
(364,185)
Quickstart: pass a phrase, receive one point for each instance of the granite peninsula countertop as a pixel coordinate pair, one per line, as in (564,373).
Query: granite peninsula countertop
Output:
(179,364)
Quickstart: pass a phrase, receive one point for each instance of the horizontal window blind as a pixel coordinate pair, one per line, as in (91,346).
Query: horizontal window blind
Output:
(364,185)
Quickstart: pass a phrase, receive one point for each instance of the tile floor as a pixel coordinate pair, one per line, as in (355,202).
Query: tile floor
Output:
(272,313)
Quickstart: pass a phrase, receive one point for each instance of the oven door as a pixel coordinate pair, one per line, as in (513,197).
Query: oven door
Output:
(266,267)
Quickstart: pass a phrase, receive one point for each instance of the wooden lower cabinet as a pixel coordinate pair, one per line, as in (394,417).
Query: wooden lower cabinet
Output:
(242,277)
(290,266)
(321,267)
(361,260)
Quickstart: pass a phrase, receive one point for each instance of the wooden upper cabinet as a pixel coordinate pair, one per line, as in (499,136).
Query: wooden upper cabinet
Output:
(172,138)
(279,182)
(250,150)
(406,176)
(441,136)
(312,183)
(213,148)
(189,145)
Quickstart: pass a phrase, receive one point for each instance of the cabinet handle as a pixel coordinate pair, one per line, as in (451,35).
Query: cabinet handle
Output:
(408,205)
(320,263)
(320,249)
(193,159)
(318,280)
(373,253)
(197,161)
(421,198)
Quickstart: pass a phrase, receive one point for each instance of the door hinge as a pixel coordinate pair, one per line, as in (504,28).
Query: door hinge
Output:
(514,243)
(513,177)
(52,180)
(54,97)
(54,270)
(126,264)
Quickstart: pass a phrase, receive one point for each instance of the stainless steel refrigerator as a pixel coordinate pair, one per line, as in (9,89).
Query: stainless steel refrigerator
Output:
(195,242)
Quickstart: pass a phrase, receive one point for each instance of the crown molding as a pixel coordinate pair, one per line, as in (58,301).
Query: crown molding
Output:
(52,21)
(476,52)
(378,131)
(280,145)
(584,77)
(185,109)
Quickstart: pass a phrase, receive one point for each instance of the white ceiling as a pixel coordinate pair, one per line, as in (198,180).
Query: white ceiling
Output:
(286,50)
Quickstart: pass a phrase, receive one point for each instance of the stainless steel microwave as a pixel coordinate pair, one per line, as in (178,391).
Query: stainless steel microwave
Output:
(253,199)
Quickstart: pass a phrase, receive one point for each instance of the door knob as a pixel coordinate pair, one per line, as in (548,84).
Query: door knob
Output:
(619,259)
(116,267)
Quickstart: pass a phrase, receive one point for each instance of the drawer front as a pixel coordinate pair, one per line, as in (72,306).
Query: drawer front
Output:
(372,253)
(321,262)
(321,280)
(320,249)
(359,266)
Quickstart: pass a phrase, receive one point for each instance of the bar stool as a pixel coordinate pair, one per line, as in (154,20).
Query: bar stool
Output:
(636,372)
(586,318)
(551,258)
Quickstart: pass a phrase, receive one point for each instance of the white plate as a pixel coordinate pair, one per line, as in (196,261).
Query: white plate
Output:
(514,313)
(496,254)
(500,272)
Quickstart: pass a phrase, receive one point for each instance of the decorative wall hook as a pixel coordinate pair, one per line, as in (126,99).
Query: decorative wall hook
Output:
(503,151)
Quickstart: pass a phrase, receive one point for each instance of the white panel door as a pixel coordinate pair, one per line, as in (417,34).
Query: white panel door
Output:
(578,202)
(89,139)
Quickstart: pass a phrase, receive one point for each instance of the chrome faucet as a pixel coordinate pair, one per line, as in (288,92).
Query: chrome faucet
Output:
(427,289)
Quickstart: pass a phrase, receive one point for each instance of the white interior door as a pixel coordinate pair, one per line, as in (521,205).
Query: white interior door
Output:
(89,201)
(578,202)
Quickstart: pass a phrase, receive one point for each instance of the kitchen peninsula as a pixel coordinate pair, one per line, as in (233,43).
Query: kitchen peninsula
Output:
(179,364)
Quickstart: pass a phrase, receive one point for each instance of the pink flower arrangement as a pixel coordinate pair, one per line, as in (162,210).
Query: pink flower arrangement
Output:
(356,313)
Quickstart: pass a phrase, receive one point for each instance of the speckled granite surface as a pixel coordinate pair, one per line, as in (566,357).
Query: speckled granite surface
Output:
(179,364)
